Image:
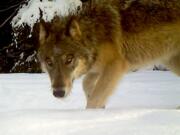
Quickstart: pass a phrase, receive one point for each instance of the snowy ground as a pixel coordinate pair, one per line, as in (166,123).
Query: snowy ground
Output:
(145,103)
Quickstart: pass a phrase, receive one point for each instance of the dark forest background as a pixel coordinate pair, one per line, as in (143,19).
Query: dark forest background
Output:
(15,55)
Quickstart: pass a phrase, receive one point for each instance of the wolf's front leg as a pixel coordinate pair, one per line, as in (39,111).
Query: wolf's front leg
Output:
(89,83)
(106,84)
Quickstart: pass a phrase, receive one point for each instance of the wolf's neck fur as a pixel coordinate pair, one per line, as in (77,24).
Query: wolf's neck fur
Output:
(101,25)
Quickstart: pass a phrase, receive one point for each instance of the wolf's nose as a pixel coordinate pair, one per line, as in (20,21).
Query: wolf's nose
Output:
(59,93)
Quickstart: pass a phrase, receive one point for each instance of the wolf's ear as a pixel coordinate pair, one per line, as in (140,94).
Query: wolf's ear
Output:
(74,29)
(42,32)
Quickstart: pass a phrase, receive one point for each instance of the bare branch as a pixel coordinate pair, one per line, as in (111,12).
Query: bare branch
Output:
(13,6)
(1,25)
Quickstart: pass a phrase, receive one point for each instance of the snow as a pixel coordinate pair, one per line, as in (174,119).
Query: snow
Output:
(29,14)
(145,103)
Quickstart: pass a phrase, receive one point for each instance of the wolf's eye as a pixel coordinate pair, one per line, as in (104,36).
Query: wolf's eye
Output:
(69,59)
(49,62)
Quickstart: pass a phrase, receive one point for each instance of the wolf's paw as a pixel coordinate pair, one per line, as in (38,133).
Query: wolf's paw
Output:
(94,106)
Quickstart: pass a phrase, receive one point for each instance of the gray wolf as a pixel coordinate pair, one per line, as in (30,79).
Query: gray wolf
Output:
(107,41)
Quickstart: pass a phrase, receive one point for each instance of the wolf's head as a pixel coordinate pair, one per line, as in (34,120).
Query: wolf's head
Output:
(63,53)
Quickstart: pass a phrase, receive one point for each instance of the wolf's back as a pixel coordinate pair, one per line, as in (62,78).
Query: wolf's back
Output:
(138,14)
